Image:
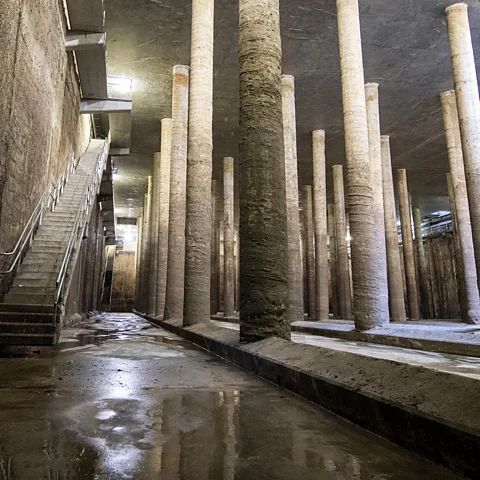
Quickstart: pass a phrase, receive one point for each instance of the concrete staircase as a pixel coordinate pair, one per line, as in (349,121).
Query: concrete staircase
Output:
(30,314)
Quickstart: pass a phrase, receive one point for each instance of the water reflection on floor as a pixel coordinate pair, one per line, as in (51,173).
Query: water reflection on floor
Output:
(120,399)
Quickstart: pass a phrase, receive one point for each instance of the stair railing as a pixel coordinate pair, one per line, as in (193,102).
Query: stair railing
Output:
(48,200)
(81,218)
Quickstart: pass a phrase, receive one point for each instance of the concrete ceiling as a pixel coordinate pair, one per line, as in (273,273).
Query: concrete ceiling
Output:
(405,50)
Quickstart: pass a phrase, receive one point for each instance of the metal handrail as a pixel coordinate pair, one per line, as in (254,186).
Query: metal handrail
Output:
(36,217)
(83,210)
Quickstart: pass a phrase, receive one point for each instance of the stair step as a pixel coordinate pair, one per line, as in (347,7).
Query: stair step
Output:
(42,249)
(28,339)
(29,299)
(39,268)
(27,328)
(38,290)
(26,317)
(43,260)
(26,308)
(36,275)
(35,282)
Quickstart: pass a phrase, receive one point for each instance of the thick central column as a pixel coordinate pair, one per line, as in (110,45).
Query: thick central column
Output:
(294,254)
(228,237)
(380,248)
(163,215)
(471,309)
(320,225)
(310,249)
(425,296)
(468,102)
(198,230)
(407,240)
(395,275)
(178,183)
(343,264)
(367,288)
(263,211)
(153,257)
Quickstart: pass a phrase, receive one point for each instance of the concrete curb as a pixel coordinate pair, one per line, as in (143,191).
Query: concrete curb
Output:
(413,343)
(416,408)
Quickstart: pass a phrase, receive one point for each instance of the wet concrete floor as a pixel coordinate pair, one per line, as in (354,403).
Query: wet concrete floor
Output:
(120,399)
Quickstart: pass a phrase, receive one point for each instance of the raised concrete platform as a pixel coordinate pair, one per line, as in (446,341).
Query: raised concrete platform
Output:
(430,412)
(442,336)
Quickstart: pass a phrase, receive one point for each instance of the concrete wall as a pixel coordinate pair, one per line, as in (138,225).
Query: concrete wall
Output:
(123,286)
(39,109)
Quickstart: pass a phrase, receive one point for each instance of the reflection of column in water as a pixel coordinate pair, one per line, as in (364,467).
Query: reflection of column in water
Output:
(229,439)
(155,456)
(170,429)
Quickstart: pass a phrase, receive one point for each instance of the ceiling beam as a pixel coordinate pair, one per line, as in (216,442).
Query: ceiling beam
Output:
(105,106)
(84,41)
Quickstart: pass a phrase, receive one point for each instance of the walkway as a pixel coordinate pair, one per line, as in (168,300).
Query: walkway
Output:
(119,399)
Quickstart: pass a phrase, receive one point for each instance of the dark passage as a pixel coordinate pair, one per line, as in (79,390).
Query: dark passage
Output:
(120,399)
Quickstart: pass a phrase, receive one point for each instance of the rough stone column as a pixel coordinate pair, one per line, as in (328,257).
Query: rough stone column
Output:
(320,225)
(138,262)
(153,260)
(178,184)
(395,275)
(294,255)
(263,210)
(229,237)
(214,274)
(468,103)
(367,288)
(333,261)
(344,292)
(423,280)
(375,144)
(198,231)
(147,245)
(310,249)
(459,202)
(163,214)
(407,240)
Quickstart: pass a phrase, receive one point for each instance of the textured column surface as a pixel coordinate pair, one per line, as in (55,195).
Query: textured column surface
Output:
(344,292)
(147,245)
(375,148)
(263,211)
(422,265)
(214,273)
(229,237)
(459,202)
(153,260)
(468,103)
(178,183)
(138,262)
(368,301)
(294,255)
(407,241)
(198,231)
(333,261)
(320,225)
(163,213)
(310,249)
(395,275)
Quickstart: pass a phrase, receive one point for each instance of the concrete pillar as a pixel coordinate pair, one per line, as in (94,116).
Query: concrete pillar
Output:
(344,292)
(214,273)
(198,231)
(395,275)
(459,202)
(147,245)
(375,148)
(237,269)
(333,261)
(178,184)
(407,241)
(138,262)
(263,211)
(468,103)
(310,249)
(295,274)
(320,225)
(367,288)
(153,261)
(229,237)
(423,280)
(163,214)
